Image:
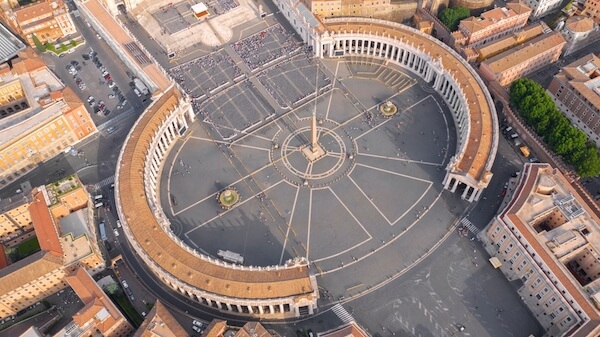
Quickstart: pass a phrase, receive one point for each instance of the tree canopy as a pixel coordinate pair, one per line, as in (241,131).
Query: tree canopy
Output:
(539,111)
(451,17)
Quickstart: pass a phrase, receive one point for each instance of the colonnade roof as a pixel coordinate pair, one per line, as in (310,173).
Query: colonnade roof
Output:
(222,280)
(480,145)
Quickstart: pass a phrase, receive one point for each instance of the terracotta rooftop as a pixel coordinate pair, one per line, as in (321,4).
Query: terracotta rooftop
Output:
(494,16)
(27,61)
(32,11)
(3,257)
(122,38)
(580,24)
(516,38)
(515,56)
(529,179)
(94,299)
(215,328)
(347,330)
(227,281)
(28,270)
(479,146)
(161,322)
(45,229)
(252,329)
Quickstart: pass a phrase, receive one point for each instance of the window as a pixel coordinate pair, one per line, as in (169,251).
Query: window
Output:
(550,302)
(536,282)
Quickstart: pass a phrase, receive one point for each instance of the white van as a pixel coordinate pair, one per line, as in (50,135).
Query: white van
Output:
(98,197)
(137,92)
(514,135)
(98,205)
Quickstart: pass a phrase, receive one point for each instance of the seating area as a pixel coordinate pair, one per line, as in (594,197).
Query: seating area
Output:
(236,109)
(292,81)
(201,76)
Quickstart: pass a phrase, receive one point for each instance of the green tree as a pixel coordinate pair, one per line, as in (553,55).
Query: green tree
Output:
(590,163)
(112,288)
(451,17)
(38,43)
(539,111)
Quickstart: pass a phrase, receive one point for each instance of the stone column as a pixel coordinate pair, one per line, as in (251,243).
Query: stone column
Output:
(454,186)
(465,192)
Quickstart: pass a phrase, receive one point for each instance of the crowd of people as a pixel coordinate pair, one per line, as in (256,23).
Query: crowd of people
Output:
(211,71)
(256,52)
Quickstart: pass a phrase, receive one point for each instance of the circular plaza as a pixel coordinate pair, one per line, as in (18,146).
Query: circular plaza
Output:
(294,171)
(372,187)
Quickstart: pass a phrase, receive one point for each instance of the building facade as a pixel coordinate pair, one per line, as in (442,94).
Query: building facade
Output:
(576,92)
(547,239)
(64,247)
(40,117)
(490,25)
(48,20)
(542,7)
(590,8)
(524,59)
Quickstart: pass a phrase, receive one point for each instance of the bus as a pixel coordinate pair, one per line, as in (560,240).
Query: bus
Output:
(102,231)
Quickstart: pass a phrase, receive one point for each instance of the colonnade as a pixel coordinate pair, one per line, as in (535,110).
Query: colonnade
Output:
(169,121)
(170,130)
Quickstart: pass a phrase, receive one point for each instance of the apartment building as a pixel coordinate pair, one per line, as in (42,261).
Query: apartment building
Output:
(48,20)
(579,32)
(99,316)
(489,50)
(490,25)
(590,8)
(576,92)
(542,7)
(61,226)
(39,116)
(524,59)
(548,239)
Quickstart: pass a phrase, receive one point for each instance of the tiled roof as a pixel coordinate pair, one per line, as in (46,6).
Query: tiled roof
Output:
(229,281)
(28,270)
(160,316)
(579,24)
(45,229)
(32,11)
(479,146)
(524,52)
(347,330)
(215,328)
(252,329)
(501,45)
(94,299)
(493,17)
(28,61)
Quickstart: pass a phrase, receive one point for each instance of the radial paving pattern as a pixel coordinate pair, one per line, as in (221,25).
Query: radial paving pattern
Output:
(375,190)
